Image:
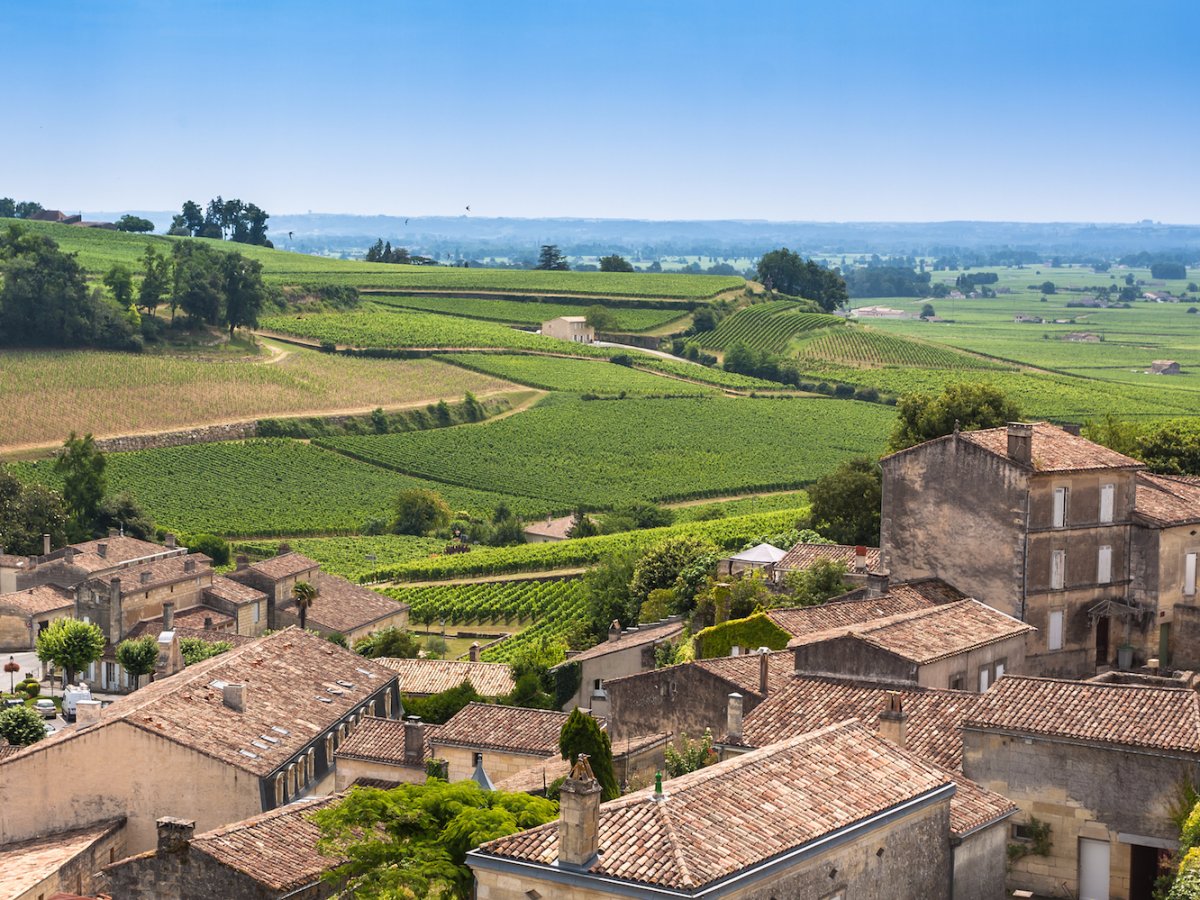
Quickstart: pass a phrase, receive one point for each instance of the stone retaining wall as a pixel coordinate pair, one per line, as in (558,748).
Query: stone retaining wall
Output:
(203,435)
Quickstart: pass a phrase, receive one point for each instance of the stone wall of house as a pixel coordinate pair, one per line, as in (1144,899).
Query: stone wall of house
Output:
(498,764)
(676,699)
(79,875)
(849,657)
(1185,637)
(980,863)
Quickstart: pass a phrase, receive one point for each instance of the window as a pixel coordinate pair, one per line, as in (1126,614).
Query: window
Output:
(958,681)
(1058,569)
(1060,507)
(110,674)
(1189,574)
(1054,639)
(1104,566)
(257,613)
(1107,494)
(1001,664)
(984,678)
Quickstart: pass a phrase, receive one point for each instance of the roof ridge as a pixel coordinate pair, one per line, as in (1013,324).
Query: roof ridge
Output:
(677,855)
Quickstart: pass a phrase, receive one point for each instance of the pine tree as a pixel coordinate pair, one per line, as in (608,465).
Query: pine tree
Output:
(581,734)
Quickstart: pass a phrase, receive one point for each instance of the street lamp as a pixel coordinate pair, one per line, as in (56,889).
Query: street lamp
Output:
(11,667)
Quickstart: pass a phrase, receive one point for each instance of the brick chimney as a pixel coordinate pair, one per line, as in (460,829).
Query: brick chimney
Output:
(168,616)
(243,562)
(102,550)
(45,545)
(579,816)
(733,718)
(174,834)
(87,712)
(171,541)
(189,565)
(877,584)
(234,696)
(614,630)
(860,558)
(414,741)
(474,652)
(763,669)
(893,721)
(1020,443)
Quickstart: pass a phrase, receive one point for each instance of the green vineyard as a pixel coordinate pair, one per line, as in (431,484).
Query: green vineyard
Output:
(577,376)
(766,326)
(529,313)
(856,347)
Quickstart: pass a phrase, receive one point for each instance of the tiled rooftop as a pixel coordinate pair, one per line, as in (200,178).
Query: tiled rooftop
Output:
(1166,500)
(277,849)
(40,599)
(925,636)
(801,556)
(509,728)
(421,677)
(739,813)
(284,566)
(637,637)
(809,702)
(382,740)
(554,528)
(537,777)
(26,864)
(233,592)
(1054,450)
(298,685)
(118,549)
(169,570)
(802,620)
(744,670)
(343,606)
(1123,714)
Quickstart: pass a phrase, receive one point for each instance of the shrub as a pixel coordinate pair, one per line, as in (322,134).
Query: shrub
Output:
(21,726)
(753,631)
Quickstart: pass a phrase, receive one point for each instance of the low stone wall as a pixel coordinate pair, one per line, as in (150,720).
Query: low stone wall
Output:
(203,435)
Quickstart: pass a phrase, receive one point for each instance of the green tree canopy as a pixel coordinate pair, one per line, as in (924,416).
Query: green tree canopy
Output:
(968,405)
(21,726)
(138,657)
(1171,447)
(420,511)
(601,318)
(442,707)
(71,645)
(134,224)
(663,566)
(394,643)
(823,579)
(784,271)
(846,502)
(26,513)
(608,597)
(413,840)
(194,649)
(582,734)
(156,279)
(243,289)
(81,465)
(551,258)
(615,263)
(119,280)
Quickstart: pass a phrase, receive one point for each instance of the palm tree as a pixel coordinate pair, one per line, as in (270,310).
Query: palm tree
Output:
(304,594)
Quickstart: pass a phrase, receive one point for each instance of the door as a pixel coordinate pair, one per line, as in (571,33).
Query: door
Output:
(1143,871)
(1102,641)
(1093,869)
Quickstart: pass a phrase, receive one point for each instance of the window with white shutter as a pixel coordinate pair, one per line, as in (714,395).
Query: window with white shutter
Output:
(1108,493)
(1058,569)
(1189,574)
(1104,566)
(1054,639)
(1060,507)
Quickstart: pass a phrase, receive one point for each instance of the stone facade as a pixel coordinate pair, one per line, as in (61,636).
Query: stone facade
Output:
(678,699)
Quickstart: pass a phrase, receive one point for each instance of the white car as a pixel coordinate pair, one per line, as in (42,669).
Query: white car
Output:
(46,708)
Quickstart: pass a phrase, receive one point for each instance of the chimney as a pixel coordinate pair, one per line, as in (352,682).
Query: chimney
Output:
(235,697)
(860,558)
(174,834)
(579,816)
(208,622)
(114,591)
(116,620)
(112,532)
(877,584)
(893,721)
(1073,429)
(102,550)
(243,562)
(168,616)
(474,652)
(763,669)
(45,545)
(170,658)
(1020,443)
(614,631)
(143,577)
(68,555)
(189,565)
(87,712)
(414,741)
(733,719)
(171,541)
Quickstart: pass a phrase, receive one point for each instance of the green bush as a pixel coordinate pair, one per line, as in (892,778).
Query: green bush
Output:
(753,632)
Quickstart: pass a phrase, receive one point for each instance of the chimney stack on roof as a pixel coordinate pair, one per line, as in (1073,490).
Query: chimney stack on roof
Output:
(1073,429)
(102,550)
(174,834)
(1020,443)
(763,669)
(733,718)
(474,652)
(243,562)
(579,816)
(171,541)
(893,721)
(877,584)
(860,558)
(68,555)
(168,616)
(414,741)
(45,545)
(234,696)
(144,577)
(208,622)
(614,630)
(87,712)
(112,532)
(189,565)
(114,590)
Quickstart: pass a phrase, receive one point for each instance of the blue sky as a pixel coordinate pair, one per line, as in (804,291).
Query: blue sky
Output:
(879,110)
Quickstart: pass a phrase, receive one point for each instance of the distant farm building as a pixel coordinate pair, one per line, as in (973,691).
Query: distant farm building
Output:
(1028,320)
(1082,337)
(1164,367)
(55,215)
(879,312)
(570,328)
(550,530)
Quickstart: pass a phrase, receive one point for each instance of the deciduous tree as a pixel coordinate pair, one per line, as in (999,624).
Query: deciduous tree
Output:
(846,501)
(420,511)
(966,405)
(135,224)
(21,726)
(71,645)
(784,271)
(615,263)
(81,465)
(138,657)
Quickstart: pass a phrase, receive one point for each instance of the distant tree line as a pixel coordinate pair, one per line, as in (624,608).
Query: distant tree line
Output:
(381,252)
(231,220)
(784,271)
(12,209)
(887,281)
(968,281)
(210,286)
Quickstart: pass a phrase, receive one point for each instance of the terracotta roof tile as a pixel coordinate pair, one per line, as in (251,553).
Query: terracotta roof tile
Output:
(26,864)
(801,556)
(802,620)
(1166,500)
(344,606)
(509,728)
(632,637)
(421,677)
(558,528)
(1122,714)
(117,551)
(741,812)
(973,806)
(8,750)
(291,678)
(277,849)
(233,592)
(1054,450)
(809,702)
(743,670)
(537,777)
(8,561)
(284,566)
(924,636)
(158,572)
(382,740)
(41,599)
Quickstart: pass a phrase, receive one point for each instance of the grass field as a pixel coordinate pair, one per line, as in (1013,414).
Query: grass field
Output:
(603,452)
(45,394)
(576,376)
(526,313)
(351,556)
(268,487)
(766,326)
(99,249)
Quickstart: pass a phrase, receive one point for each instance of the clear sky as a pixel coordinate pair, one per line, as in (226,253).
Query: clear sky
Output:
(1032,110)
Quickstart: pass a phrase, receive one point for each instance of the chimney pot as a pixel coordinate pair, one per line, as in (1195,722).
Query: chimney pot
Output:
(171,541)
(614,630)
(174,834)
(893,720)
(579,816)
(763,669)
(87,712)
(234,696)
(168,616)
(474,652)
(45,545)
(414,741)
(102,550)
(733,718)
(1020,443)
(860,558)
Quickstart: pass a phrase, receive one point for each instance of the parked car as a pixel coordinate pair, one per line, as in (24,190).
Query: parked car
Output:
(46,708)
(13,701)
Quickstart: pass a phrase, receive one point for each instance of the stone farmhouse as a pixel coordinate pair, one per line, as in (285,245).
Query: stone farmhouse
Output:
(570,328)
(225,739)
(625,652)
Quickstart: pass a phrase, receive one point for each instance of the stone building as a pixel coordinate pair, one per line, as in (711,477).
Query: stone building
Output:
(25,614)
(870,821)
(54,863)
(570,328)
(1100,764)
(879,598)
(227,738)
(858,560)
(499,740)
(1029,519)
(266,857)
(424,677)
(385,751)
(624,653)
